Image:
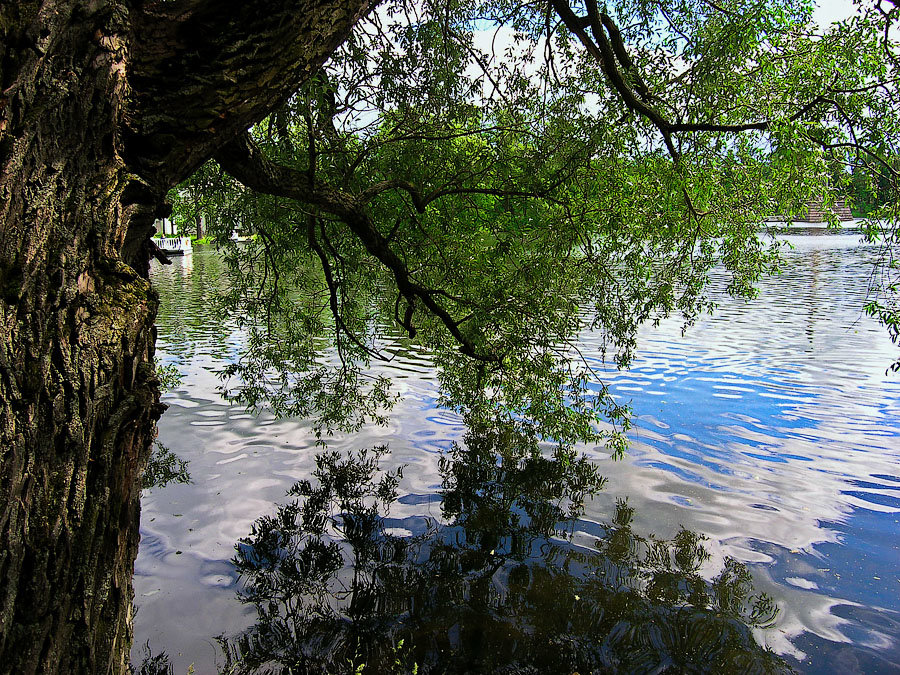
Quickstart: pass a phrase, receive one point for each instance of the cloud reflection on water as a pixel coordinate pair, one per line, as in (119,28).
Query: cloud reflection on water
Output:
(769,427)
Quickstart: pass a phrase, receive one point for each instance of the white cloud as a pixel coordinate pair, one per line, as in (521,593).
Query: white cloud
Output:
(829,11)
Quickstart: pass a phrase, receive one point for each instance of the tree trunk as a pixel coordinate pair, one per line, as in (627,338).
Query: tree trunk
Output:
(100,114)
(78,395)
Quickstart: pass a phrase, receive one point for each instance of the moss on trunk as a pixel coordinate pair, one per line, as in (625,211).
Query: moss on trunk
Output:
(99,116)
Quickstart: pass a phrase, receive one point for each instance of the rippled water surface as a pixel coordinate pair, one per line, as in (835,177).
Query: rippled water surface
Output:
(770,427)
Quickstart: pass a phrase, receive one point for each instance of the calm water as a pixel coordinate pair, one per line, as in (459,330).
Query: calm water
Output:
(771,428)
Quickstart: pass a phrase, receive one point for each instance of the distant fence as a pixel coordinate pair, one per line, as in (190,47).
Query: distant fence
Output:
(816,212)
(174,244)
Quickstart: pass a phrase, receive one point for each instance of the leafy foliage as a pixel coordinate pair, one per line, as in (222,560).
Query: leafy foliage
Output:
(164,467)
(490,179)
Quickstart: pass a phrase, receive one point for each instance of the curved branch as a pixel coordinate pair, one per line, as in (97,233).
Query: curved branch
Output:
(339,323)
(245,162)
(608,49)
(202,71)
(601,50)
(395,184)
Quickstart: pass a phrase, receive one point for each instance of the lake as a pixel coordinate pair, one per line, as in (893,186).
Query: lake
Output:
(770,428)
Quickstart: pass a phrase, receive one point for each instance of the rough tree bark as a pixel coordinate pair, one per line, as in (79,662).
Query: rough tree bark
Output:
(105,105)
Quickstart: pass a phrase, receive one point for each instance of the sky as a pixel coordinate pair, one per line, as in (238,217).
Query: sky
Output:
(828,11)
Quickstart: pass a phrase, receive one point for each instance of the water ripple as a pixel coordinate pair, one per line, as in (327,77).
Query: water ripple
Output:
(771,427)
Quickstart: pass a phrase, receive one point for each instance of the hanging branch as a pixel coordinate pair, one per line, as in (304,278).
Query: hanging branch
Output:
(245,162)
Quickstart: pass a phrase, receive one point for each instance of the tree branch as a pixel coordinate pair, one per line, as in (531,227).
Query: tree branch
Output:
(243,160)
(203,71)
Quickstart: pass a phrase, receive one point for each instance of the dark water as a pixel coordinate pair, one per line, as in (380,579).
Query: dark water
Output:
(769,428)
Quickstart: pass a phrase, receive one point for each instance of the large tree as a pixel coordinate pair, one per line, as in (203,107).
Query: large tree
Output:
(106,105)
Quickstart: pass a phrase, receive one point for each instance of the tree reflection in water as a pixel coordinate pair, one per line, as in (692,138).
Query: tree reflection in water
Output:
(164,467)
(498,587)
